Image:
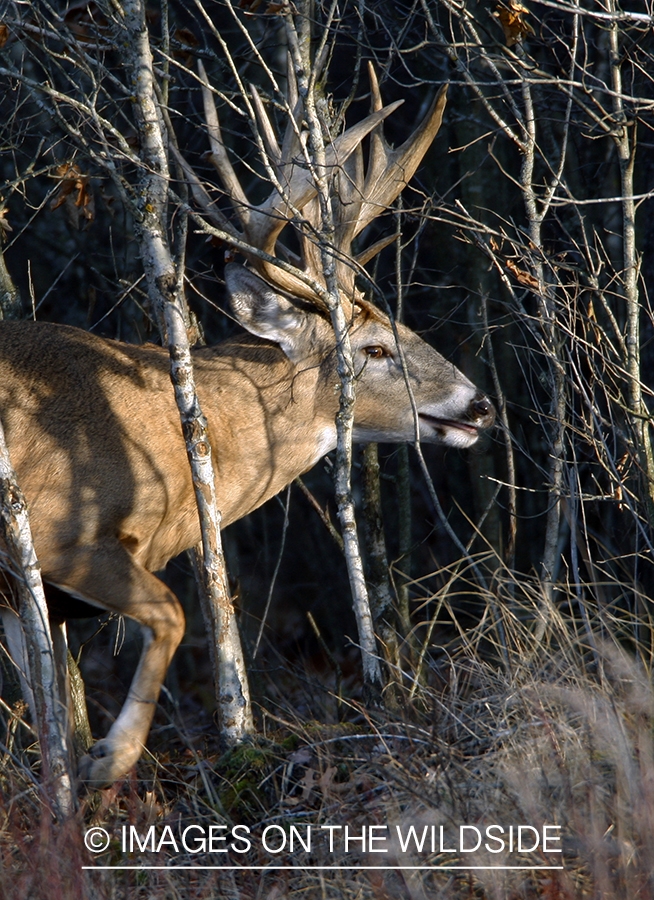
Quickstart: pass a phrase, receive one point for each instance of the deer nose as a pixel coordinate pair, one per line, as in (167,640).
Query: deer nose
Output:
(482,409)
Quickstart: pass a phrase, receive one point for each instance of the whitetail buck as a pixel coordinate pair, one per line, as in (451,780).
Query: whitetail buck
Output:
(94,433)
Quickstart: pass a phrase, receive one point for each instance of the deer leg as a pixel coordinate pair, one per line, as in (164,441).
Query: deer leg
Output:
(110,578)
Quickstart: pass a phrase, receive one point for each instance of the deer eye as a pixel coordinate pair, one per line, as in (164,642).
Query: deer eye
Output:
(375,352)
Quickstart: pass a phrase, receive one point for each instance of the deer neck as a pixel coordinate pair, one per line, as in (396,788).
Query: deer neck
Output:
(269,419)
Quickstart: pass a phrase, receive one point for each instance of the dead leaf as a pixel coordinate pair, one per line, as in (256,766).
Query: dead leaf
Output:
(594,326)
(326,781)
(523,277)
(512,19)
(71,180)
(149,808)
(4,35)
(188,43)
(617,491)
(5,227)
(186,36)
(74,191)
(308,782)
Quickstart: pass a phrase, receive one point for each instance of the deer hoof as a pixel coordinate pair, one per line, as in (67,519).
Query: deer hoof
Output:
(100,768)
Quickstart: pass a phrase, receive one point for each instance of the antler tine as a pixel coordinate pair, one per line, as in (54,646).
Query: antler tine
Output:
(291,144)
(370,252)
(266,129)
(349,190)
(218,155)
(375,93)
(201,196)
(291,141)
(292,92)
(378,154)
(346,205)
(389,171)
(310,250)
(348,183)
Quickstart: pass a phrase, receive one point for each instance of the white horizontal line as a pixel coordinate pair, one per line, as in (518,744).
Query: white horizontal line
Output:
(324,868)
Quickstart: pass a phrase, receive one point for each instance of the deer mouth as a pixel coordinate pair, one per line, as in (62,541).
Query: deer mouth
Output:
(443,424)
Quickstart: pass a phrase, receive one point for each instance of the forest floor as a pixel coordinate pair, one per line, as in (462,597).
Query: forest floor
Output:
(532,779)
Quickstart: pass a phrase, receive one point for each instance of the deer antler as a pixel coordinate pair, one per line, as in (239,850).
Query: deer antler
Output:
(362,193)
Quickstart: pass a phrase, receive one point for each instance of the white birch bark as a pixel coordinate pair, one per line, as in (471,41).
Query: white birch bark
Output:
(232,691)
(624,136)
(373,683)
(50,707)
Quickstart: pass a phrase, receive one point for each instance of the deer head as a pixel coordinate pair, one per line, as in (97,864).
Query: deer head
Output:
(281,307)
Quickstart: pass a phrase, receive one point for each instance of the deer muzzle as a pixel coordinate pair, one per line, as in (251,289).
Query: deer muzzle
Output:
(464,431)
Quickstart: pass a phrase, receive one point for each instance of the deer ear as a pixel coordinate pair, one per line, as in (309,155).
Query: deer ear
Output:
(264,312)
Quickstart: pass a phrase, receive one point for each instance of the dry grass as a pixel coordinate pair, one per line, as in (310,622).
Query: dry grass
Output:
(564,740)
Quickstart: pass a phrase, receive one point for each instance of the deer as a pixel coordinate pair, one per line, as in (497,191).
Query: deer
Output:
(94,433)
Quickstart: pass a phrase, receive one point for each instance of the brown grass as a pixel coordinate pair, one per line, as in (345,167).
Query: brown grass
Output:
(565,739)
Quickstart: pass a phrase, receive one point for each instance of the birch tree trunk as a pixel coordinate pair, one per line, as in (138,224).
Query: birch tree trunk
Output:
(10,305)
(306,79)
(232,691)
(48,685)
(624,137)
